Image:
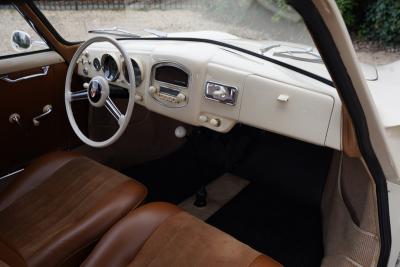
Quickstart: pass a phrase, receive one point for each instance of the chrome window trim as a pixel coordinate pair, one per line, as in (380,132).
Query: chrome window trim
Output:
(11,174)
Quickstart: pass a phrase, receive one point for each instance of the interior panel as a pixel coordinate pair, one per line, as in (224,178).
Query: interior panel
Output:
(21,143)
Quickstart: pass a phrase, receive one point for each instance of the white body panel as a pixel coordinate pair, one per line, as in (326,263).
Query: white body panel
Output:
(386,95)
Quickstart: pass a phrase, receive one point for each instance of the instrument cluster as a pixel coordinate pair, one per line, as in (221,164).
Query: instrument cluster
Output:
(113,69)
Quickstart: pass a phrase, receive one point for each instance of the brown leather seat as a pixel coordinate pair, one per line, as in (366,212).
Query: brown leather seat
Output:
(160,234)
(55,211)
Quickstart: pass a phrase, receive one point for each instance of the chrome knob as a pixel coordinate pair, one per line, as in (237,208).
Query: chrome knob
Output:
(152,90)
(180,97)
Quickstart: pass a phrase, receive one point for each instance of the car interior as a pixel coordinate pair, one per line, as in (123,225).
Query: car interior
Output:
(148,154)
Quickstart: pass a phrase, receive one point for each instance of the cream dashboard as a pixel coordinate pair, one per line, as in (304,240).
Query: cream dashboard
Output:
(216,87)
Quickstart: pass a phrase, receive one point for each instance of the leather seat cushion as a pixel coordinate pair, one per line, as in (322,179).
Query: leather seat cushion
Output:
(67,211)
(160,234)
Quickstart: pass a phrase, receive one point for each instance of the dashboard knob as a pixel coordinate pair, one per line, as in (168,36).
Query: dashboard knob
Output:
(203,118)
(138,98)
(180,132)
(86,85)
(152,90)
(181,97)
(215,122)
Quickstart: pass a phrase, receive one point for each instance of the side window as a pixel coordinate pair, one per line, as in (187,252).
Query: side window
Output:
(16,35)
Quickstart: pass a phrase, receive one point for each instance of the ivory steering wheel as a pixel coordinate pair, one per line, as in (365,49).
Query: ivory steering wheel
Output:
(98,94)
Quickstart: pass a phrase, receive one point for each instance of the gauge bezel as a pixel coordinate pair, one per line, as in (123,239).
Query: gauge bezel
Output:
(104,65)
(94,64)
(139,67)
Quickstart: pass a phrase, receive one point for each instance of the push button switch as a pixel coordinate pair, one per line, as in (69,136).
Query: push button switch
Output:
(215,122)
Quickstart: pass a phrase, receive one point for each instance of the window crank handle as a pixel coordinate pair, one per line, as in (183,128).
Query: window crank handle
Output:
(46,111)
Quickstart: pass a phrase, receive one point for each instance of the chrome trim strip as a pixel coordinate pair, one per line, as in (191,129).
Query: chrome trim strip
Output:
(11,174)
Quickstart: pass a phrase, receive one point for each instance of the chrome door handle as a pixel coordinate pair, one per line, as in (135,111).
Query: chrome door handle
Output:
(44,73)
(46,111)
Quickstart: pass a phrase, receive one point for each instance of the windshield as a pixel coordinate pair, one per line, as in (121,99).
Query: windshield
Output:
(258,20)
(266,27)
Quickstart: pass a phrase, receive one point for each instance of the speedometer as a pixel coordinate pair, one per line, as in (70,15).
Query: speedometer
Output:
(110,68)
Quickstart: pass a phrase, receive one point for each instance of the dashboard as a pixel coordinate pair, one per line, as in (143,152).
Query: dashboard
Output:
(216,87)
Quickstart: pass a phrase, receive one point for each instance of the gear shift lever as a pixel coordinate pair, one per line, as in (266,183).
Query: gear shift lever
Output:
(201,195)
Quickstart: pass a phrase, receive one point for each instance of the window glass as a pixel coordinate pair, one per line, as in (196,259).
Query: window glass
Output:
(16,35)
(268,27)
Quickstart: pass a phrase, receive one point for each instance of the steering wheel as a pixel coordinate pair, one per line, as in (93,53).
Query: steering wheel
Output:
(98,94)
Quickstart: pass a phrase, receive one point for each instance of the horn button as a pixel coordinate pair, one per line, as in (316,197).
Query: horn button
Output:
(98,91)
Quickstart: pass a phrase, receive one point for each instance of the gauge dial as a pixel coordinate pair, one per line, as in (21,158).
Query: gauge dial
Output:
(97,64)
(110,68)
(137,72)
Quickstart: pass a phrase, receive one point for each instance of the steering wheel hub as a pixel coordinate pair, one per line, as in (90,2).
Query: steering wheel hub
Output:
(98,91)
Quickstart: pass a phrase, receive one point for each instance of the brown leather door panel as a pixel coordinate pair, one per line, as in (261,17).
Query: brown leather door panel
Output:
(21,143)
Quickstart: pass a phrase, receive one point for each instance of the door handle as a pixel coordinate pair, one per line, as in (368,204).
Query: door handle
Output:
(44,73)
(46,111)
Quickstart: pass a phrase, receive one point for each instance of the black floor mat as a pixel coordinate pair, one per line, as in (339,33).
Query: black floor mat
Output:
(279,212)
(286,230)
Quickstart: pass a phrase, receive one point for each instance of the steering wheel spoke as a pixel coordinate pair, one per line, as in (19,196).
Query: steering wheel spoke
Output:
(114,110)
(78,95)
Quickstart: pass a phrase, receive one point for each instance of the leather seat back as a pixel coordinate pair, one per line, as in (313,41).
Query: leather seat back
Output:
(160,234)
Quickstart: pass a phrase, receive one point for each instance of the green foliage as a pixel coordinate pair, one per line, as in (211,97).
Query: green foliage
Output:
(373,20)
(382,22)
(348,8)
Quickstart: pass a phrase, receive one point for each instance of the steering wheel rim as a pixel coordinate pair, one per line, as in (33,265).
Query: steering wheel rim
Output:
(122,119)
